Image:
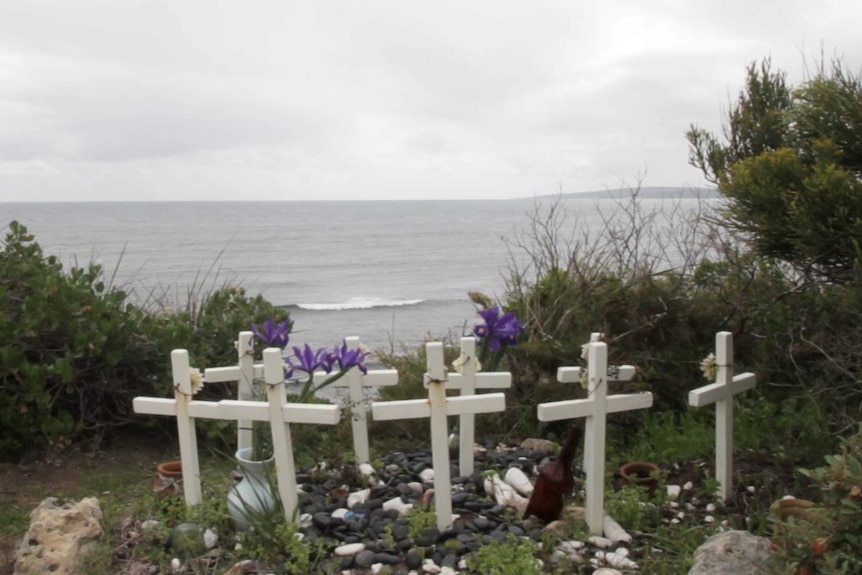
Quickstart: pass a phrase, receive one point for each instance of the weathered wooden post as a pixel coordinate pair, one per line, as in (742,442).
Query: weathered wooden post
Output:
(244,373)
(721,394)
(356,382)
(468,381)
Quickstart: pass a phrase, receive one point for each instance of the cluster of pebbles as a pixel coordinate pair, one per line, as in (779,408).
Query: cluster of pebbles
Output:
(371,526)
(362,515)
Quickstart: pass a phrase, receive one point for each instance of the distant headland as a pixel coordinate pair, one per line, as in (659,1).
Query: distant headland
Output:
(644,192)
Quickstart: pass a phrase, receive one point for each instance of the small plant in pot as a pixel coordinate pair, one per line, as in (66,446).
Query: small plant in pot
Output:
(641,473)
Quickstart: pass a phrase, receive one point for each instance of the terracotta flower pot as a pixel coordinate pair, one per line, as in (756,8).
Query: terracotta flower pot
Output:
(169,477)
(640,473)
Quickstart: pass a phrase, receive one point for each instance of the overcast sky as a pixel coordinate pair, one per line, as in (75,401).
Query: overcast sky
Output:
(375,99)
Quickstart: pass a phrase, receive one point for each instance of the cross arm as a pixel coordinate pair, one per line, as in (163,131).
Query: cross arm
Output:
(406,409)
(557,410)
(311,413)
(374,378)
(230,373)
(615,373)
(484,380)
(715,391)
(168,407)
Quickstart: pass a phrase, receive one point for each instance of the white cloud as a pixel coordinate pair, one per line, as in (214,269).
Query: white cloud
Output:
(108,99)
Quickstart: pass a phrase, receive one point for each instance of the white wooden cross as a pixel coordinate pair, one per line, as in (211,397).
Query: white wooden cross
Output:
(468,381)
(355,381)
(437,407)
(595,408)
(721,394)
(276,410)
(573,375)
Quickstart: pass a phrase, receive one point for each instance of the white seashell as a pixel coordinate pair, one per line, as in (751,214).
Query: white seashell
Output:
(614,530)
(499,489)
(599,541)
(710,507)
(673,491)
(709,519)
(430,567)
(366,469)
(339,513)
(149,524)
(688,485)
(210,538)
(427,475)
(519,481)
(620,561)
(376,568)
(397,504)
(606,571)
(571,546)
(358,497)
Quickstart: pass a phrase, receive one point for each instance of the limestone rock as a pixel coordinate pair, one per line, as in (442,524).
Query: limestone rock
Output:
(540,445)
(732,553)
(61,532)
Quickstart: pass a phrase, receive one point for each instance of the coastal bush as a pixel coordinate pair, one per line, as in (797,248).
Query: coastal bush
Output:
(76,352)
(660,311)
(790,168)
(73,354)
(827,540)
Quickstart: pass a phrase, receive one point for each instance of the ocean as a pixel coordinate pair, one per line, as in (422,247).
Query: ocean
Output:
(391,272)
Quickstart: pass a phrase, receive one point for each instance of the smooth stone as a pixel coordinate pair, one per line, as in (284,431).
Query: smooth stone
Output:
(413,560)
(321,520)
(349,549)
(210,538)
(483,523)
(387,558)
(364,559)
(358,497)
(188,539)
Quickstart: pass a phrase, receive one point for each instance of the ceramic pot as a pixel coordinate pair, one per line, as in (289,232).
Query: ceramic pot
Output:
(169,477)
(640,473)
(252,496)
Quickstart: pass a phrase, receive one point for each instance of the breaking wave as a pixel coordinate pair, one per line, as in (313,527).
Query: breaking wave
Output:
(359,303)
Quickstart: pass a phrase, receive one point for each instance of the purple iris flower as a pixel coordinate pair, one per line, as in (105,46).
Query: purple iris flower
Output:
(276,334)
(348,357)
(308,360)
(498,328)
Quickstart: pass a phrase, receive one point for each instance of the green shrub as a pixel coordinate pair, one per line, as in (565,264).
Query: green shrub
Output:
(827,540)
(76,352)
(72,354)
(510,557)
